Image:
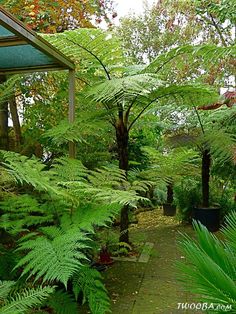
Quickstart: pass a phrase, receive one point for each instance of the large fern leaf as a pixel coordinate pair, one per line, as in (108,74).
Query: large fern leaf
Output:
(89,281)
(27,171)
(206,53)
(25,300)
(63,303)
(53,255)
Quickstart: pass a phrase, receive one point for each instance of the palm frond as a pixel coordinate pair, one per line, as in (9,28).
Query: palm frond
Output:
(229,230)
(209,268)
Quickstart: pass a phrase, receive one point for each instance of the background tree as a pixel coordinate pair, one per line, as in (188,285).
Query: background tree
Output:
(57,16)
(125,92)
(169,24)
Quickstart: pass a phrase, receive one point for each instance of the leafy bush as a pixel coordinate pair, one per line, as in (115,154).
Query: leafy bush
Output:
(50,217)
(187,195)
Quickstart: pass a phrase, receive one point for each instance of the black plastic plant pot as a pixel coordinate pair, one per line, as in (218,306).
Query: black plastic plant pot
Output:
(169,210)
(209,217)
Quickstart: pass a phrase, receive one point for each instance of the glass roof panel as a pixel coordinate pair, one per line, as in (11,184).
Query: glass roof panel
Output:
(22,56)
(5,32)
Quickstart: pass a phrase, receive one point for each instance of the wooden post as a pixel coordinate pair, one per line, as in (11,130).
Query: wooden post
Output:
(4,140)
(72,152)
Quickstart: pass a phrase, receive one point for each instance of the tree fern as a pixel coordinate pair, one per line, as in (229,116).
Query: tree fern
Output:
(53,254)
(171,165)
(27,171)
(91,215)
(89,281)
(206,53)
(85,124)
(23,211)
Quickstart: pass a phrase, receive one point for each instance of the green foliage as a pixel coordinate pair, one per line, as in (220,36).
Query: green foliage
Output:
(89,281)
(186,196)
(171,165)
(53,254)
(63,303)
(23,211)
(108,185)
(27,171)
(7,89)
(21,302)
(209,269)
(222,153)
(89,216)
(8,260)
(86,124)
(85,47)
(206,53)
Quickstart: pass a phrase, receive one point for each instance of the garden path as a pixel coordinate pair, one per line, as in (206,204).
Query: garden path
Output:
(150,288)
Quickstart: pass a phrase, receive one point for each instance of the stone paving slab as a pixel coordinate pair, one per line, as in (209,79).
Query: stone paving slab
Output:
(149,287)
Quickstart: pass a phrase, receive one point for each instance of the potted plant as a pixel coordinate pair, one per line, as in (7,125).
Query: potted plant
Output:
(169,208)
(215,143)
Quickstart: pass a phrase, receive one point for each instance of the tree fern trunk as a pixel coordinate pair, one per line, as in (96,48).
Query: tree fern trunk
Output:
(170,193)
(206,163)
(122,138)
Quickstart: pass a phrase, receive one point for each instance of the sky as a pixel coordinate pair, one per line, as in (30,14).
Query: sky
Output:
(125,7)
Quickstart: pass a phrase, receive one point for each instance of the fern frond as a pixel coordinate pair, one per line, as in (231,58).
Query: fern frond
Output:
(206,53)
(7,89)
(69,169)
(89,281)
(86,124)
(170,166)
(55,255)
(27,299)
(5,289)
(124,88)
(86,46)
(63,303)
(90,215)
(222,144)
(29,171)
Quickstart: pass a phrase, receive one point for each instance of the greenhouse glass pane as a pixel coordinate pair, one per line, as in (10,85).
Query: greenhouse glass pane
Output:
(4,32)
(22,56)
